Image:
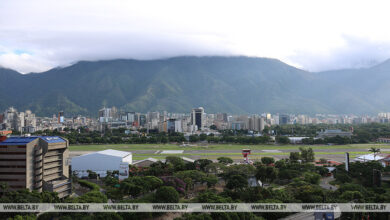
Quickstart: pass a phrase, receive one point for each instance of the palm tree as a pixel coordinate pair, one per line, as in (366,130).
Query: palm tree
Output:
(374,151)
(3,187)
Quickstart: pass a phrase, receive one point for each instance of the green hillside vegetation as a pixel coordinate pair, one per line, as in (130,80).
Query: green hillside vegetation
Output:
(220,84)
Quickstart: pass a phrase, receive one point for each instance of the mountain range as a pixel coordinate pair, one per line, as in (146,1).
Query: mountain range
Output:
(219,84)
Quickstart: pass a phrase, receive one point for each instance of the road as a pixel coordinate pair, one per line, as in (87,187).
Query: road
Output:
(324,183)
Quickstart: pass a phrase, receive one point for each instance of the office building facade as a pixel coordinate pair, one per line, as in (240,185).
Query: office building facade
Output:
(197,117)
(36,163)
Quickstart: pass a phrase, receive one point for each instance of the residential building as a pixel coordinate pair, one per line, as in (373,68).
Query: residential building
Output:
(384,140)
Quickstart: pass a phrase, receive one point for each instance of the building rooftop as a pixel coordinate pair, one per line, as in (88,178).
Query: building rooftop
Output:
(147,159)
(333,131)
(18,140)
(187,159)
(116,153)
(52,139)
(370,157)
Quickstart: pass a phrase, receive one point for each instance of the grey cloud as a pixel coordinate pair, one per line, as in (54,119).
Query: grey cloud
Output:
(356,53)
(62,48)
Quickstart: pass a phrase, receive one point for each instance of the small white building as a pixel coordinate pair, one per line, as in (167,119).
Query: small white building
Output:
(384,159)
(146,162)
(296,140)
(100,162)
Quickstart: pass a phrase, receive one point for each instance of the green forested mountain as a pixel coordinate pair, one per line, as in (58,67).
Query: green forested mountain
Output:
(220,84)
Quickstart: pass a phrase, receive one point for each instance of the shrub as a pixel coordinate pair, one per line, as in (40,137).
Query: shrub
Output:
(167,194)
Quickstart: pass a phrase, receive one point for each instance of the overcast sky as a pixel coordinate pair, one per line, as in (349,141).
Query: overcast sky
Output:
(314,35)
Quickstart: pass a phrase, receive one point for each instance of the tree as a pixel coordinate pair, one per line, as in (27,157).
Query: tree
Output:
(261,173)
(225,160)
(342,177)
(131,189)
(202,137)
(159,168)
(267,160)
(92,197)
(195,175)
(307,154)
(166,194)
(4,187)
(91,174)
(308,193)
(271,173)
(211,180)
(266,130)
(236,182)
(245,170)
(295,156)
(177,162)
(266,173)
(280,164)
(189,183)
(288,174)
(312,178)
(137,185)
(354,196)
(194,138)
(282,140)
(202,163)
(152,182)
(374,151)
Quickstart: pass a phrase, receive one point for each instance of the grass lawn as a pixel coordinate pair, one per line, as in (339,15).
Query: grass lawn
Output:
(354,149)
(131,147)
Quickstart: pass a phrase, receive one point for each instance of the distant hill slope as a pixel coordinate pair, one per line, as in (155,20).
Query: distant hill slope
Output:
(220,84)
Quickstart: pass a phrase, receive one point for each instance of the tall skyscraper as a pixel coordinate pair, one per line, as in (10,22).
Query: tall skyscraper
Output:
(197,117)
(284,119)
(142,120)
(60,117)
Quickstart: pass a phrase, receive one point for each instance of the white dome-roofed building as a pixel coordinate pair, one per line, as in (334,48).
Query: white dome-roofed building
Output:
(100,162)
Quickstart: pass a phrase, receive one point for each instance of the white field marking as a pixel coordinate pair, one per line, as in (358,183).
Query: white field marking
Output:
(172,152)
(272,151)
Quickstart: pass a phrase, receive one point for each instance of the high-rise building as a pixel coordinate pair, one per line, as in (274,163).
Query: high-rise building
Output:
(256,123)
(106,114)
(142,120)
(174,125)
(284,119)
(11,119)
(222,117)
(60,117)
(153,116)
(261,124)
(36,163)
(197,117)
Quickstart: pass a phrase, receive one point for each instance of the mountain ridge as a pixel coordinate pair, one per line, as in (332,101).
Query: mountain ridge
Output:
(234,84)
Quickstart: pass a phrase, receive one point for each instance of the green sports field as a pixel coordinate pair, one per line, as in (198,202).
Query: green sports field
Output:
(143,151)
(132,147)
